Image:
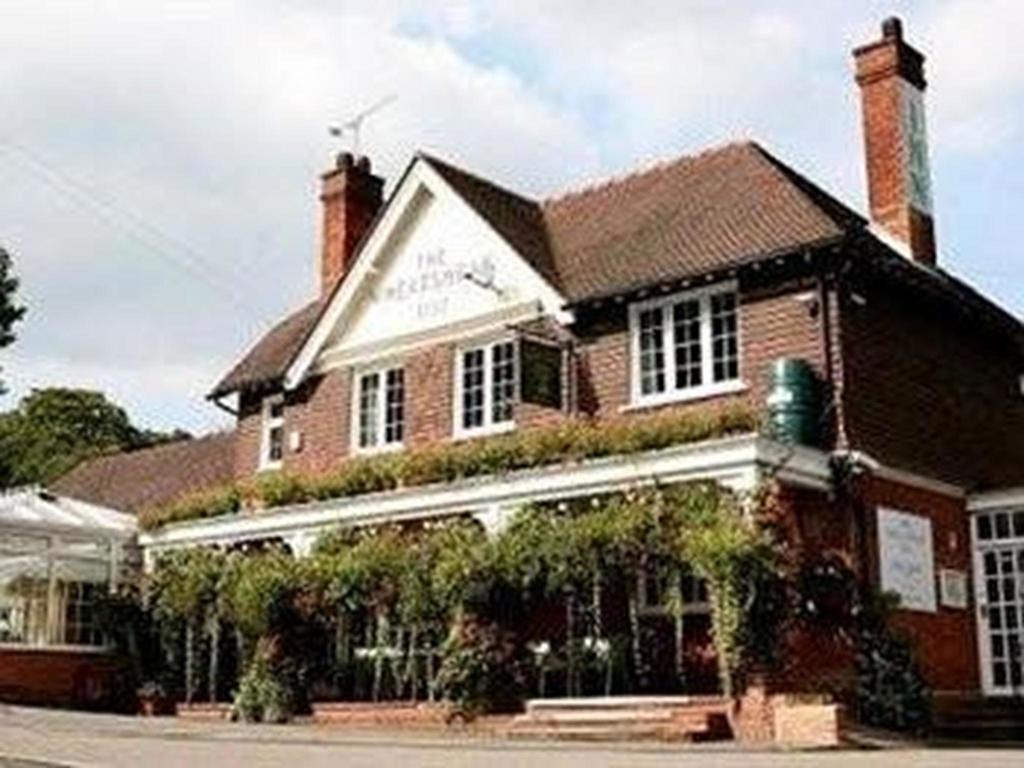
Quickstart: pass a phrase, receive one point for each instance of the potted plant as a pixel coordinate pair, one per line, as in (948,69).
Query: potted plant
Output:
(154,700)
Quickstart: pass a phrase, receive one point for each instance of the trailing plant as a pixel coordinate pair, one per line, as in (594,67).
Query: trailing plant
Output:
(725,545)
(570,442)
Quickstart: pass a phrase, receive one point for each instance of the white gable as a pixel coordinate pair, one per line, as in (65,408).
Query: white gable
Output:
(433,268)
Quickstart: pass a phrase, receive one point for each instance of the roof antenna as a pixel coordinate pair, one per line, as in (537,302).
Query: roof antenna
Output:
(353,125)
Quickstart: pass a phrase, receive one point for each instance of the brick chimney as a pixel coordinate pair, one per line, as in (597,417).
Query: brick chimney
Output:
(352,195)
(890,74)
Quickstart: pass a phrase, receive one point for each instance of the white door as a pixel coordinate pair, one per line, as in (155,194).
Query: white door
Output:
(999,581)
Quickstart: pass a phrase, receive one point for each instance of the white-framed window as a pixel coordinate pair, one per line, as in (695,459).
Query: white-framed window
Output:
(272,441)
(379,413)
(49,588)
(654,592)
(685,346)
(486,387)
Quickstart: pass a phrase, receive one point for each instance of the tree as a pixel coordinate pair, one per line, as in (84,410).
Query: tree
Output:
(52,430)
(10,312)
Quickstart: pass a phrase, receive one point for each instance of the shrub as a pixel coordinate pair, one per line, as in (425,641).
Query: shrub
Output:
(569,442)
(480,671)
(264,694)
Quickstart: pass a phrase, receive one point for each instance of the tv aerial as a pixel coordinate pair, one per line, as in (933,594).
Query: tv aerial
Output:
(353,126)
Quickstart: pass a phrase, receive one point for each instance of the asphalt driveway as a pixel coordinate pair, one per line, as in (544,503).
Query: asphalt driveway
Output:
(39,738)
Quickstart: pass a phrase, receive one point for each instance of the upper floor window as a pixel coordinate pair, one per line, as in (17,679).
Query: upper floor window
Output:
(380,406)
(685,345)
(486,387)
(272,442)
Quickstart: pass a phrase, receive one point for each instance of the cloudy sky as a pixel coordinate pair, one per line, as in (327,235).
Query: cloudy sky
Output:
(159,161)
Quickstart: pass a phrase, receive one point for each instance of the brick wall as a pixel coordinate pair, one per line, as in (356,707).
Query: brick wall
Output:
(945,641)
(64,679)
(926,392)
(773,323)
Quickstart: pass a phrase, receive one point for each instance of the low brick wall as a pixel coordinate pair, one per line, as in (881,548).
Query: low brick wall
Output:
(391,714)
(65,678)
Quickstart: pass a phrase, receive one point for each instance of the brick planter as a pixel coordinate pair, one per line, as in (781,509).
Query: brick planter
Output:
(392,714)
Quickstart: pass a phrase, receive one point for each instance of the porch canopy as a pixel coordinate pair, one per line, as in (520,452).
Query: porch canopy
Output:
(57,557)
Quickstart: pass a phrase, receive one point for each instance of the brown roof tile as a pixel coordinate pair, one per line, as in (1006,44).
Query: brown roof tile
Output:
(720,209)
(267,360)
(132,481)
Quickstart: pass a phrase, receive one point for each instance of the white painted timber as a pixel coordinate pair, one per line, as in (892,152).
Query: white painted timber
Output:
(736,462)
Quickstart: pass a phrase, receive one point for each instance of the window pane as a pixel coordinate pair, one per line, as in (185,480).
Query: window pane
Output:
(277,409)
(503,382)
(724,340)
(473,389)
(652,351)
(686,319)
(24,588)
(394,419)
(79,583)
(275,446)
(369,387)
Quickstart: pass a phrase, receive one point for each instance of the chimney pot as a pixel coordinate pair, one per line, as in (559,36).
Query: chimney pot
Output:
(892,28)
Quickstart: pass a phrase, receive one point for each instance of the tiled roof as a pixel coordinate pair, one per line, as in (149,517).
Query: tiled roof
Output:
(715,211)
(266,361)
(133,481)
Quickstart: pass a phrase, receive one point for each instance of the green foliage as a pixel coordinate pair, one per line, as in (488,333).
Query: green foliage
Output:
(726,546)
(264,693)
(10,312)
(571,442)
(481,669)
(186,584)
(52,430)
(258,592)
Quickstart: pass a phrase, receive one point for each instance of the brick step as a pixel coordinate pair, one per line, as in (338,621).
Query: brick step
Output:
(665,718)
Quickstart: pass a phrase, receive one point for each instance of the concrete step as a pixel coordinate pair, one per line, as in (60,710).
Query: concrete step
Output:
(619,732)
(630,703)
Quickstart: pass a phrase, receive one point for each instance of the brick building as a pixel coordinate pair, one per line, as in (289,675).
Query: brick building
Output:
(457,309)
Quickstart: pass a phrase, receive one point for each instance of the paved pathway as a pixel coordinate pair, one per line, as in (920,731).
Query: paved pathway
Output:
(48,739)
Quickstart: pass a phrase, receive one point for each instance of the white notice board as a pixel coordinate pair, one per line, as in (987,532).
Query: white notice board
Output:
(906,560)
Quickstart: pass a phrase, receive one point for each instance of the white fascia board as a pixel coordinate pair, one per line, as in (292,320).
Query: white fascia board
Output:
(1006,498)
(737,462)
(419,175)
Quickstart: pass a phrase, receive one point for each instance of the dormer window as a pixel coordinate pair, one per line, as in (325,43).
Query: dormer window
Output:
(380,409)
(272,442)
(487,383)
(685,346)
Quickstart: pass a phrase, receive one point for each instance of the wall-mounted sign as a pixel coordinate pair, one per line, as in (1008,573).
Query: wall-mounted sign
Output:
(953,588)
(916,146)
(906,558)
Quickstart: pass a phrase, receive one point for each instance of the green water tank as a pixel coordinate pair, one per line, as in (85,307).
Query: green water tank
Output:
(794,402)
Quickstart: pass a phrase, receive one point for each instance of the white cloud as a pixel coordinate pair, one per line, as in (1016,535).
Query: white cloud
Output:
(208,119)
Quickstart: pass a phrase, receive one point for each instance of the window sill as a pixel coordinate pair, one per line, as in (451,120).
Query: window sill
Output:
(488,431)
(686,396)
(379,450)
(275,467)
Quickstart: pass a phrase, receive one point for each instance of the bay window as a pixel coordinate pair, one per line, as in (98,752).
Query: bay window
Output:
(380,409)
(685,346)
(487,382)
